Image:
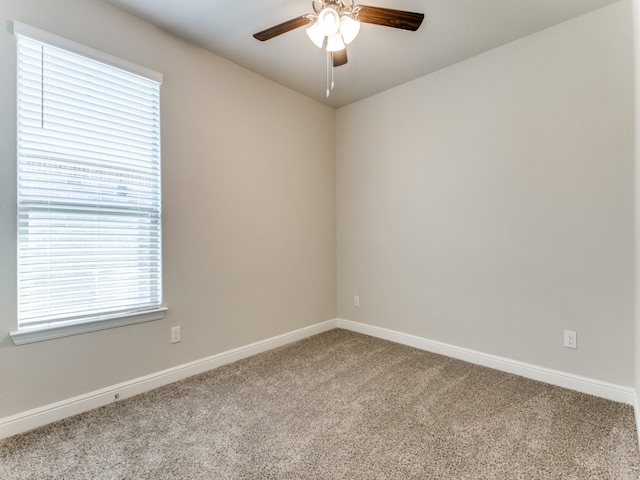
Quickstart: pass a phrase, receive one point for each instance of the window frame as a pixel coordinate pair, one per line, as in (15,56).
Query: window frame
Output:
(65,327)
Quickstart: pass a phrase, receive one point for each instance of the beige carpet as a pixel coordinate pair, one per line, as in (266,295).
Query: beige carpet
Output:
(339,405)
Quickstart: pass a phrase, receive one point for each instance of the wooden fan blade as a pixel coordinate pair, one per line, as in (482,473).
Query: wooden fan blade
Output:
(389,17)
(339,57)
(282,28)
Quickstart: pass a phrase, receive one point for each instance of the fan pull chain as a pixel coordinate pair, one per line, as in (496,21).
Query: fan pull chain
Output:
(330,82)
(328,60)
(331,66)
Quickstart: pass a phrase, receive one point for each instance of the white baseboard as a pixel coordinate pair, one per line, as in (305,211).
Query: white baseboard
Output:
(30,419)
(38,417)
(598,388)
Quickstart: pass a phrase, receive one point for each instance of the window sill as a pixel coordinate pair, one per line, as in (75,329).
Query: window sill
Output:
(39,334)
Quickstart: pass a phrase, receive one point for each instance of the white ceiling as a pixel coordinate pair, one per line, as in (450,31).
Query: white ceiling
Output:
(379,58)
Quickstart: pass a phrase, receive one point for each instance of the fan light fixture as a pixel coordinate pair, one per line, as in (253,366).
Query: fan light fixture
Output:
(333,28)
(336,25)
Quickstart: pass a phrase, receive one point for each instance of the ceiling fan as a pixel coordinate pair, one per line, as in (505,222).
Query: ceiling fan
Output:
(336,23)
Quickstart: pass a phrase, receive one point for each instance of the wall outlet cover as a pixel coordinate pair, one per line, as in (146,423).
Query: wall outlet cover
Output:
(570,339)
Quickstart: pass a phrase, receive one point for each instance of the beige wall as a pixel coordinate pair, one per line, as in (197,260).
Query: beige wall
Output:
(248,211)
(490,205)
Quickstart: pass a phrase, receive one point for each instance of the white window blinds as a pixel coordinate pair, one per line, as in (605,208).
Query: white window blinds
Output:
(89,230)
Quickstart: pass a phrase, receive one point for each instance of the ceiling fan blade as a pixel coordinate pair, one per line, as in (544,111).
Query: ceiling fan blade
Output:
(282,28)
(389,17)
(339,57)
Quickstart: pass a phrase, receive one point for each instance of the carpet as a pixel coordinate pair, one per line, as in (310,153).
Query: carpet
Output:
(338,405)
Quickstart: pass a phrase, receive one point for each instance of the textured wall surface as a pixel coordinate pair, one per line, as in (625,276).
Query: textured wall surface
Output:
(248,211)
(490,205)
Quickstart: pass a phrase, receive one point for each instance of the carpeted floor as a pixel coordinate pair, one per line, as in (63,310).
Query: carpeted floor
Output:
(339,405)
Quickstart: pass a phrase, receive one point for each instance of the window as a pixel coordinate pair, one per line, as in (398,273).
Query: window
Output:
(89,204)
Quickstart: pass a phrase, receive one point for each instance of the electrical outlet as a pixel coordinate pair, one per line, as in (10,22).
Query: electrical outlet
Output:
(356,301)
(570,339)
(175,334)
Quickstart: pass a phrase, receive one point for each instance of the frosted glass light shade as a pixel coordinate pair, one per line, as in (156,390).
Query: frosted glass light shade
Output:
(335,43)
(314,32)
(329,21)
(349,29)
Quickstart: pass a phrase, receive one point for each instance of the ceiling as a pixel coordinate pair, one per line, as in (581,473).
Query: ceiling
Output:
(379,58)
